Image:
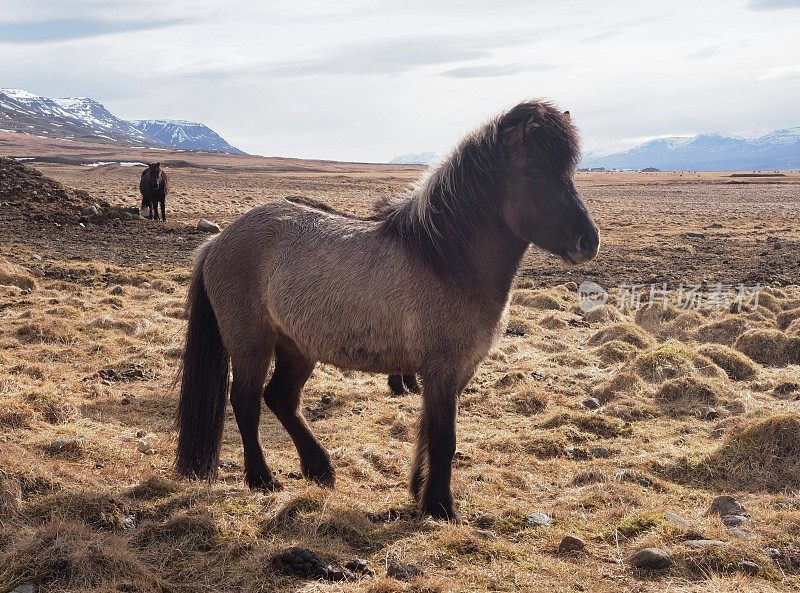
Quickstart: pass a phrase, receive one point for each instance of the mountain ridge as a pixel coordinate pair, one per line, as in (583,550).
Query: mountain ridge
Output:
(777,149)
(83,118)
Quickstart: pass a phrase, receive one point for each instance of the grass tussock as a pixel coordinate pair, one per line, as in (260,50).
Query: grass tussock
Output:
(10,498)
(764,455)
(194,530)
(690,395)
(51,330)
(794,329)
(69,556)
(604,314)
(770,347)
(530,400)
(635,525)
(540,300)
(672,359)
(94,509)
(652,318)
(625,332)
(15,414)
(736,365)
(615,351)
(785,318)
(11,275)
(724,331)
(596,424)
(153,488)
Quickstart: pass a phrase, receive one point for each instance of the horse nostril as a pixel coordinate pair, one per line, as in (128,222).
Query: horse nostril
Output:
(585,244)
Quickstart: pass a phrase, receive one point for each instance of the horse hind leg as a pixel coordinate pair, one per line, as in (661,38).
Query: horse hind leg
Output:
(249,373)
(282,395)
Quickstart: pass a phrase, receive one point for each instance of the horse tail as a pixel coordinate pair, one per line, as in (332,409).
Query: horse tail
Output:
(204,384)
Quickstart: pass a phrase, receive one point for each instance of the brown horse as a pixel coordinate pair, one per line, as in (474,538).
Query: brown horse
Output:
(424,290)
(154,186)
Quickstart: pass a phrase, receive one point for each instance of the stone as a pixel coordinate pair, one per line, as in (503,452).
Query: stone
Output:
(748,567)
(64,443)
(705,543)
(228,464)
(734,520)
(600,452)
(741,533)
(538,520)
(25,588)
(404,572)
(726,505)
(145,447)
(129,523)
(676,520)
(91,210)
(570,543)
(486,534)
(591,403)
(651,558)
(485,521)
(117,290)
(773,553)
(207,226)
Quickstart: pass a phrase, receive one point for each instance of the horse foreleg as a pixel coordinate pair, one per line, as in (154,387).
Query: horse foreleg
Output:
(396,385)
(282,395)
(437,442)
(163,211)
(411,384)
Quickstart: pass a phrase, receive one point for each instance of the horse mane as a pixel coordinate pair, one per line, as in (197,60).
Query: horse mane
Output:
(438,216)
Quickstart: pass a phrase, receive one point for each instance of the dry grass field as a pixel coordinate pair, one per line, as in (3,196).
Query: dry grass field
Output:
(621,425)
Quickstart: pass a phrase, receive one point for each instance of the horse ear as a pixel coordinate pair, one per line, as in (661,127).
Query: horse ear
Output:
(158,164)
(520,132)
(566,114)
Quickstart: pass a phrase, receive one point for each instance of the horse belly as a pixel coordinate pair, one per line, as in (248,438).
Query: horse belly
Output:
(345,326)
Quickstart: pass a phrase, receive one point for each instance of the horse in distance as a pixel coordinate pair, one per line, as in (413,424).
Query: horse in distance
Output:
(154,185)
(424,289)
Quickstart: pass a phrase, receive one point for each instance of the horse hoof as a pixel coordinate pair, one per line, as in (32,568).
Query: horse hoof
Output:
(265,485)
(326,478)
(442,511)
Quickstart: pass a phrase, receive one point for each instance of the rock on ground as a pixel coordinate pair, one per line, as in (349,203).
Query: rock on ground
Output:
(570,543)
(207,226)
(726,505)
(651,558)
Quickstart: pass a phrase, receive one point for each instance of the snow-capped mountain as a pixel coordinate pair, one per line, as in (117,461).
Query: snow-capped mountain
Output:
(418,158)
(86,119)
(708,152)
(187,135)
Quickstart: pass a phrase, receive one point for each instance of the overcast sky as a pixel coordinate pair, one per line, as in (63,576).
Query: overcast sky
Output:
(371,79)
